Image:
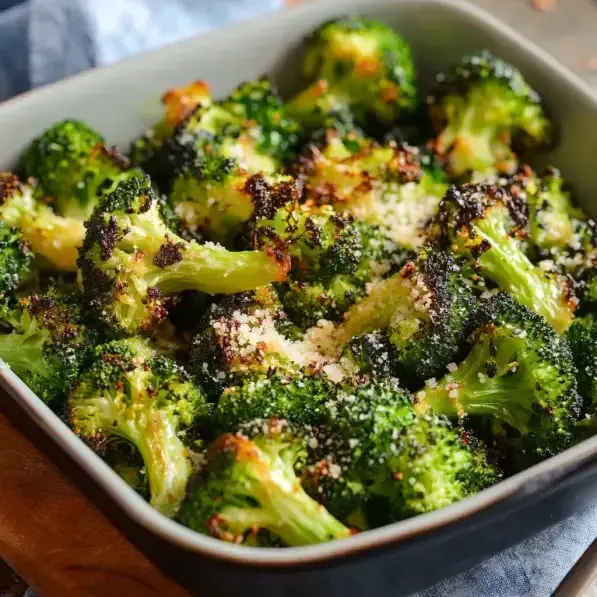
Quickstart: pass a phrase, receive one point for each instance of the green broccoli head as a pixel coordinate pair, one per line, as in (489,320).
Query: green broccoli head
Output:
(131,262)
(577,259)
(483,110)
(392,186)
(553,221)
(59,156)
(365,66)
(132,393)
(274,132)
(320,107)
(16,260)
(586,287)
(378,452)
(418,318)
(310,296)
(486,227)
(54,240)
(49,342)
(249,483)
(582,336)
(245,336)
(179,103)
(214,198)
(519,376)
(74,167)
(249,127)
(333,258)
(299,398)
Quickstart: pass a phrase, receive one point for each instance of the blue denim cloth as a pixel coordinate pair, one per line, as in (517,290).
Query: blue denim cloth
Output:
(44,40)
(14,50)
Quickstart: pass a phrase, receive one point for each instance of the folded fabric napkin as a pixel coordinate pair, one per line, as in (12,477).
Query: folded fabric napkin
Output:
(44,40)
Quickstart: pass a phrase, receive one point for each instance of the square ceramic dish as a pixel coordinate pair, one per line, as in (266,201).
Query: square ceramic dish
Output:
(121,101)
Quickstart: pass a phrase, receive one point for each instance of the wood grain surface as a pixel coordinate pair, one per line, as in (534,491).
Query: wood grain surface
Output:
(53,536)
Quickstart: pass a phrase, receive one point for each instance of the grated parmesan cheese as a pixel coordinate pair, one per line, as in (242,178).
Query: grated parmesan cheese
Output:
(401,213)
(254,339)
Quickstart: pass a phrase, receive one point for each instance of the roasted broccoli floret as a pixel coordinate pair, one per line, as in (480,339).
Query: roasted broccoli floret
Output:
(16,261)
(75,167)
(214,197)
(333,258)
(131,262)
(249,128)
(487,226)
(249,482)
(326,289)
(582,336)
(46,341)
(553,220)
(586,285)
(418,318)
(241,335)
(247,337)
(263,128)
(179,103)
(299,397)
(361,437)
(562,239)
(356,65)
(320,107)
(51,237)
(393,187)
(377,450)
(519,376)
(131,392)
(483,111)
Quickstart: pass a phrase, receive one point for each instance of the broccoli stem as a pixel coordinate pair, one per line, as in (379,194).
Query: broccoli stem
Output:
(165,457)
(298,519)
(286,509)
(215,270)
(484,384)
(507,265)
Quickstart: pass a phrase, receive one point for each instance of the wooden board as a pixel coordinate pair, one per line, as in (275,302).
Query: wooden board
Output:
(53,536)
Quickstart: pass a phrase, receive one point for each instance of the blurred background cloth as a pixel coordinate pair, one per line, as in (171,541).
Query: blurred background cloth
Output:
(45,40)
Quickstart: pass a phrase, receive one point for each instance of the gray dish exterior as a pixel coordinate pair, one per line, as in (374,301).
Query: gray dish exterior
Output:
(121,101)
